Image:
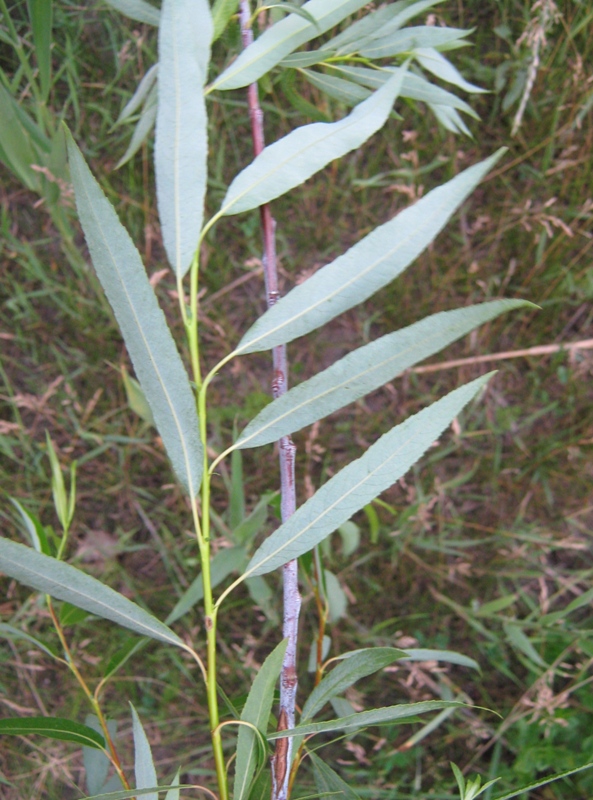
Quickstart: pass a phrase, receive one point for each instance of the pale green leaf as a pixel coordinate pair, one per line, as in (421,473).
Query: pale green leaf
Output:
(181,145)
(364,719)
(67,583)
(257,712)
(144,769)
(34,529)
(283,38)
(222,11)
(403,41)
(139,10)
(329,782)
(290,161)
(306,58)
(365,370)
(361,481)
(343,91)
(173,793)
(337,601)
(153,352)
(136,398)
(356,666)
(449,119)
(435,62)
(129,794)
(143,127)
(407,12)
(543,782)
(10,632)
(140,95)
(365,268)
(449,656)
(350,39)
(96,763)
(52,728)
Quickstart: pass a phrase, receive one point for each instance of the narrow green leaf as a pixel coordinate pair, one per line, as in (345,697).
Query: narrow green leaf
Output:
(173,793)
(128,794)
(343,91)
(40,15)
(364,719)
(58,487)
(34,528)
(348,40)
(543,782)
(96,762)
(408,39)
(329,782)
(9,632)
(257,712)
(17,149)
(143,127)
(337,602)
(517,638)
(153,352)
(53,728)
(290,161)
(139,10)
(449,656)
(307,58)
(65,582)
(449,119)
(231,559)
(364,370)
(181,145)
(222,11)
(365,268)
(358,665)
(140,95)
(409,11)
(262,595)
(435,62)
(361,481)
(144,769)
(136,398)
(281,39)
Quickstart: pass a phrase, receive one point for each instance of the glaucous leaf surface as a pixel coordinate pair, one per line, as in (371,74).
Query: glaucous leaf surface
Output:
(256,711)
(434,62)
(144,769)
(139,10)
(96,763)
(53,728)
(140,95)
(360,482)
(449,656)
(365,370)
(281,39)
(65,582)
(408,39)
(364,268)
(291,160)
(348,40)
(151,347)
(181,144)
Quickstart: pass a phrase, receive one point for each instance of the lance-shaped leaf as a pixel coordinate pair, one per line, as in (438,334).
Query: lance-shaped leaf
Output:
(364,370)
(144,769)
(363,719)
(348,40)
(222,11)
(290,161)
(358,665)
(282,38)
(365,268)
(360,482)
(53,728)
(40,15)
(346,92)
(409,11)
(181,145)
(257,712)
(139,10)
(436,63)
(408,39)
(329,782)
(67,583)
(153,352)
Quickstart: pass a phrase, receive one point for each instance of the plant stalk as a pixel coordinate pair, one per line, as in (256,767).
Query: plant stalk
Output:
(292,600)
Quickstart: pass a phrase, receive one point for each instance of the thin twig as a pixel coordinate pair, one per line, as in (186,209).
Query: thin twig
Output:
(292,599)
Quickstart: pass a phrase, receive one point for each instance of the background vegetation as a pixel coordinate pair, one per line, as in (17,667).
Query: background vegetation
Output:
(484,550)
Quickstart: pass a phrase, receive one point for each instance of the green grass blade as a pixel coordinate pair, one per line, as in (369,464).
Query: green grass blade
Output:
(144,769)
(361,481)
(365,370)
(363,719)
(365,268)
(181,146)
(356,666)
(256,711)
(139,10)
(403,41)
(53,728)
(329,782)
(153,352)
(40,15)
(544,782)
(60,580)
(17,149)
(282,38)
(290,161)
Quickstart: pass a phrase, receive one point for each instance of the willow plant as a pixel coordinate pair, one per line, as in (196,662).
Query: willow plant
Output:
(179,404)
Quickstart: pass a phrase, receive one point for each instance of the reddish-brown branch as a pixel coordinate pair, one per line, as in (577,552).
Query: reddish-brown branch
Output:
(292,600)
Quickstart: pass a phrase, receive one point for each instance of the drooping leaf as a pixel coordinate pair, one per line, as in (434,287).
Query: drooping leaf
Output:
(139,10)
(53,728)
(424,654)
(65,582)
(281,39)
(34,528)
(96,763)
(144,769)
(449,118)
(366,267)
(181,145)
(306,59)
(329,782)
(10,632)
(363,719)
(365,370)
(361,481)
(435,62)
(40,15)
(408,39)
(407,12)
(356,666)
(257,712)
(153,352)
(291,160)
